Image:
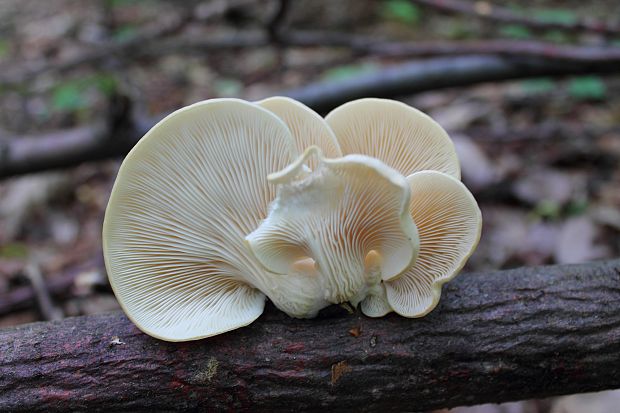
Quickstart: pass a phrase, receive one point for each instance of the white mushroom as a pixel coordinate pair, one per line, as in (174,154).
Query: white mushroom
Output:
(449,223)
(215,209)
(307,126)
(182,204)
(346,223)
(399,135)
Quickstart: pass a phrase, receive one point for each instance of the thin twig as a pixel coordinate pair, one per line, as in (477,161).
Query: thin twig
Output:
(274,26)
(48,310)
(499,14)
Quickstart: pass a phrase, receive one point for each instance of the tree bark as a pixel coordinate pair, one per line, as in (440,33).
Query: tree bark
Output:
(495,337)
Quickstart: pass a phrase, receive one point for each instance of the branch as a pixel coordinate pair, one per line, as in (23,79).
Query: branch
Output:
(432,74)
(60,286)
(44,300)
(149,45)
(363,45)
(495,337)
(274,25)
(21,155)
(485,10)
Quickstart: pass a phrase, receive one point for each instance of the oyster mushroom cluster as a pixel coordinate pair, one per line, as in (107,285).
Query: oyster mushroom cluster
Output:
(226,202)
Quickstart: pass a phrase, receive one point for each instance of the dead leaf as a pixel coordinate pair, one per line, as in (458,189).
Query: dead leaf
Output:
(477,169)
(338,370)
(545,184)
(355,331)
(576,242)
(602,402)
(24,194)
(458,116)
(606,215)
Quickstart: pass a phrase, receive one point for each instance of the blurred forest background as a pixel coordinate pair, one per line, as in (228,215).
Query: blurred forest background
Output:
(81,80)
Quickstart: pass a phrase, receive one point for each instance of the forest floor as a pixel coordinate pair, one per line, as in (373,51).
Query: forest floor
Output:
(542,156)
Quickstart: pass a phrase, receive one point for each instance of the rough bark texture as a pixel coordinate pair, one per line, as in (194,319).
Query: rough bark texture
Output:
(498,336)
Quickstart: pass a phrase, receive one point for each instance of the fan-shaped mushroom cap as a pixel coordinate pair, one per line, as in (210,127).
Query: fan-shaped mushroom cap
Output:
(449,224)
(307,127)
(326,223)
(184,200)
(397,134)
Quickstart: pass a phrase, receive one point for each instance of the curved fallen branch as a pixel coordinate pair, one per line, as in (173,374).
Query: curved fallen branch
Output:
(499,14)
(357,44)
(496,336)
(108,139)
(366,45)
(438,73)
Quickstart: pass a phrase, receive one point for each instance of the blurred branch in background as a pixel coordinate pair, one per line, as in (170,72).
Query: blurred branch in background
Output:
(499,14)
(153,46)
(159,40)
(116,136)
(522,59)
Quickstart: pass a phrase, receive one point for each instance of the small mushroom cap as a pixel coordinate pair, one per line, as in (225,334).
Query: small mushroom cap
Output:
(397,134)
(184,200)
(376,303)
(307,126)
(335,216)
(449,224)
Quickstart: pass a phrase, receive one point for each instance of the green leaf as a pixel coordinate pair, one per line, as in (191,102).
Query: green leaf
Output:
(14,250)
(227,87)
(561,16)
(4,48)
(106,83)
(401,10)
(557,36)
(124,33)
(538,86)
(68,98)
(547,209)
(456,29)
(515,31)
(587,88)
(347,71)
(121,3)
(577,207)
(72,95)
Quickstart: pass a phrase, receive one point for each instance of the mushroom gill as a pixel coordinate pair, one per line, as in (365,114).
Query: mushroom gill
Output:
(225,203)
(337,215)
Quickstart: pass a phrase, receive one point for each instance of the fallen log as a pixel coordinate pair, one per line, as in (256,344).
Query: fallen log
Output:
(495,337)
